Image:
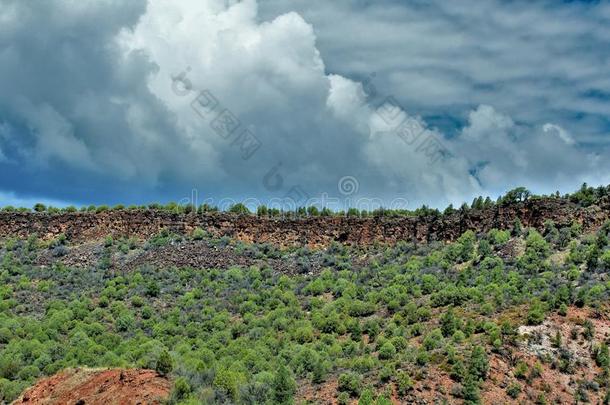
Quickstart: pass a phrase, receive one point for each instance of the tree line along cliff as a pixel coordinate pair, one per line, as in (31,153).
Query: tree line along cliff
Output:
(305,231)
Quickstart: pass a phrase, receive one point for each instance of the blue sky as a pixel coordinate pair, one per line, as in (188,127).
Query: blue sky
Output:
(427,101)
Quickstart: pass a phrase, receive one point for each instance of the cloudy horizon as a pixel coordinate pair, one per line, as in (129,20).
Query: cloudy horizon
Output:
(107,102)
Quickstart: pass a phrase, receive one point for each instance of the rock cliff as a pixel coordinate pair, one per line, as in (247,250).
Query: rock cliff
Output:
(311,231)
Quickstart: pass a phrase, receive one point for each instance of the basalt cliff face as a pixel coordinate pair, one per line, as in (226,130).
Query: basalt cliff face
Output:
(310,231)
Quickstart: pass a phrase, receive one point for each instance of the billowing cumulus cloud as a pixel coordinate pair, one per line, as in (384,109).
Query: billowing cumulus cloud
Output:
(433,103)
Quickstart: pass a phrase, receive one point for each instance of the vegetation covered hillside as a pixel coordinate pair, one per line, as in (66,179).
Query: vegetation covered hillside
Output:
(512,315)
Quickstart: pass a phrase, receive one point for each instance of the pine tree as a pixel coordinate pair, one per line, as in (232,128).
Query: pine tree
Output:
(479,365)
(470,390)
(449,323)
(284,386)
(165,364)
(458,371)
(517,227)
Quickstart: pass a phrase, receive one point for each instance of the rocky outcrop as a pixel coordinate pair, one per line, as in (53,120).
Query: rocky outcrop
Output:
(311,231)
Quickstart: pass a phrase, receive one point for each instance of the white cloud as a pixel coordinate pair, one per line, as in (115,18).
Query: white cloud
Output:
(535,61)
(289,74)
(560,132)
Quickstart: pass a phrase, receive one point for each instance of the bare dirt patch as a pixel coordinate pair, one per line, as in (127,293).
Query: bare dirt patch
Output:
(98,387)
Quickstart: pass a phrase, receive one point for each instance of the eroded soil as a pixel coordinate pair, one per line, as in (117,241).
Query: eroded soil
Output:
(98,387)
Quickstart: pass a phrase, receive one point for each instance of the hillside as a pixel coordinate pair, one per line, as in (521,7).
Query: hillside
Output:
(468,307)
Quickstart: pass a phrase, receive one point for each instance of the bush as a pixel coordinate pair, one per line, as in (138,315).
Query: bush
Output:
(387,351)
(588,329)
(458,371)
(536,371)
(386,373)
(517,227)
(165,364)
(605,259)
(343,398)
(449,323)
(137,301)
(513,390)
(152,289)
(227,381)
(351,383)
(125,322)
(181,389)
(433,340)
(521,370)
(198,234)
(536,314)
(258,391)
(479,364)
(284,386)
(458,336)
(404,384)
(498,237)
(470,390)
(367,397)
(602,355)
(239,208)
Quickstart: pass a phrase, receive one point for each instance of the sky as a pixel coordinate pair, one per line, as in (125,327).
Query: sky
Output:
(405,102)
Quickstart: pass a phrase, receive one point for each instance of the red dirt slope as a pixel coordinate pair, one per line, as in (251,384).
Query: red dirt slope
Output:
(103,387)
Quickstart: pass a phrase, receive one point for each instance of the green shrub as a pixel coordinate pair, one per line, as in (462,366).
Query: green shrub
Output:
(470,390)
(433,340)
(536,313)
(521,370)
(284,386)
(350,383)
(198,234)
(165,364)
(449,323)
(602,355)
(387,351)
(239,208)
(181,389)
(367,397)
(228,381)
(479,364)
(404,384)
(343,398)
(152,289)
(513,390)
(458,371)
(125,322)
